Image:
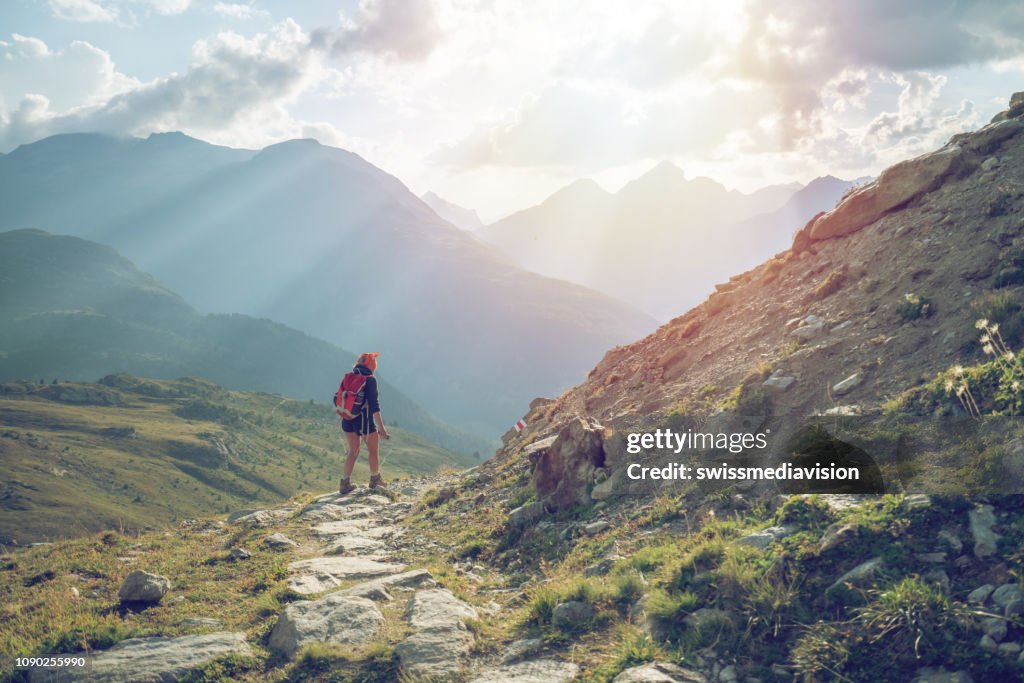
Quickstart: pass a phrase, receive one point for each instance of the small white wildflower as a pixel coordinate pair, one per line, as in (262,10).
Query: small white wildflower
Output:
(987,348)
(1015,386)
(994,328)
(981,324)
(958,370)
(949,386)
(985,339)
(1009,355)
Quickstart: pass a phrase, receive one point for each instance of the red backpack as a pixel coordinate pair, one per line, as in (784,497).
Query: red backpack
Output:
(348,402)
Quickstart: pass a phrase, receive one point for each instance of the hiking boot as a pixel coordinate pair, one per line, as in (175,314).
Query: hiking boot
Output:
(346,486)
(376,482)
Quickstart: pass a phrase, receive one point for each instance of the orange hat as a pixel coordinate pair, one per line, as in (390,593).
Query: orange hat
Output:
(369,360)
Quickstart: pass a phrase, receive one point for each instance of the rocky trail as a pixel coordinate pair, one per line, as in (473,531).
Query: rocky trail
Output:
(353,560)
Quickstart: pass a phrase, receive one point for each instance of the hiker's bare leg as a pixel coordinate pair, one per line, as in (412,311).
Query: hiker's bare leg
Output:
(353,453)
(373,445)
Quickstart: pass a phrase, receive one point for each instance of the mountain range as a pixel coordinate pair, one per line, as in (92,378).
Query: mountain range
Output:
(317,238)
(663,240)
(71,309)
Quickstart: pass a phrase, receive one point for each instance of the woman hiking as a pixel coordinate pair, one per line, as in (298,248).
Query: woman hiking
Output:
(359,407)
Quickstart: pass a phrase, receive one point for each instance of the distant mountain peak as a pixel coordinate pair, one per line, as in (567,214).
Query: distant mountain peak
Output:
(460,217)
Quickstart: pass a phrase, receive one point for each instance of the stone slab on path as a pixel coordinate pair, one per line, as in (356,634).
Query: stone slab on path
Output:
(376,589)
(538,671)
(341,619)
(319,574)
(437,650)
(149,660)
(358,527)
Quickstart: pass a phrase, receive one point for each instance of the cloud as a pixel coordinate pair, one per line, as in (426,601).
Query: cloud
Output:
(91,11)
(79,74)
(404,29)
(82,10)
(235,90)
(235,10)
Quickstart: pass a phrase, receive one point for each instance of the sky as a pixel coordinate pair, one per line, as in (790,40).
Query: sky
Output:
(496,104)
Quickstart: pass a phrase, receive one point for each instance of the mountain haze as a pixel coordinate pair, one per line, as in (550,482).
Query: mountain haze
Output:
(318,239)
(71,309)
(453,213)
(661,241)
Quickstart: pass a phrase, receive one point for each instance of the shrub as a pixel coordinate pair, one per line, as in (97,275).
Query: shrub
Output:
(914,307)
(832,283)
(908,617)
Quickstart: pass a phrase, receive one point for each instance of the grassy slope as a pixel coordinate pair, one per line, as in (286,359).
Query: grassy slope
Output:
(168,451)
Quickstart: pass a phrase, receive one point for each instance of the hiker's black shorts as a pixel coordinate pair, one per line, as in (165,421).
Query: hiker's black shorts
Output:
(359,425)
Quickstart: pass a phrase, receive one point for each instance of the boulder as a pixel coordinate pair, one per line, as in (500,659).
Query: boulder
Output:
(1009,598)
(279,542)
(594,528)
(341,619)
(538,671)
(659,672)
(986,139)
(140,586)
(896,186)
(571,615)
(564,471)
(149,660)
(525,515)
(982,518)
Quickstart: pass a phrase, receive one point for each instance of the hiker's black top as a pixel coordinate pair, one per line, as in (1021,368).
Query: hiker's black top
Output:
(370,401)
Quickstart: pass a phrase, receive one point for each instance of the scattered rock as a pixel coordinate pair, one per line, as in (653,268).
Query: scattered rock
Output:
(377,588)
(342,619)
(995,628)
(524,515)
(847,385)
(988,644)
(1010,599)
(150,660)
(594,528)
(1008,649)
(778,382)
(521,649)
(237,554)
(600,568)
(930,675)
(837,535)
(979,595)
(859,575)
(539,671)
(764,538)
(659,672)
(570,615)
(952,540)
(259,518)
(195,622)
(279,542)
(809,332)
(140,586)
(982,519)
